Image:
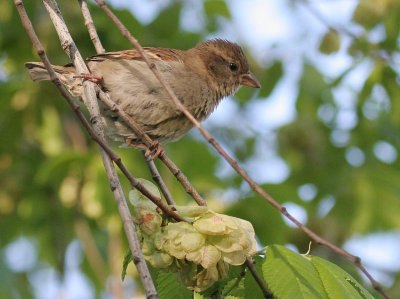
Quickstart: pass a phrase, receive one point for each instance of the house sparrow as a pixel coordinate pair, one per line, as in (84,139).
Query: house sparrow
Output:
(200,78)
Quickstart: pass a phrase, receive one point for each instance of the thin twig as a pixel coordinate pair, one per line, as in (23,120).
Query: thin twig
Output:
(104,97)
(147,140)
(236,283)
(100,49)
(182,179)
(111,172)
(124,31)
(136,184)
(159,180)
(258,279)
(91,103)
(81,67)
(90,27)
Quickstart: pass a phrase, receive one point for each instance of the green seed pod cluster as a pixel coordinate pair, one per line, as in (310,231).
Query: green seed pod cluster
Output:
(199,251)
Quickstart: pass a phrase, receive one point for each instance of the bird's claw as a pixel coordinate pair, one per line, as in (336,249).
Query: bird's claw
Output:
(152,152)
(90,77)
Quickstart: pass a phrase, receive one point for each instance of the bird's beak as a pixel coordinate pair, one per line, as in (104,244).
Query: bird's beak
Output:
(249,80)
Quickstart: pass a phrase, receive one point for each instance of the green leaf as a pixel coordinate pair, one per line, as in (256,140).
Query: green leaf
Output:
(392,27)
(251,288)
(290,275)
(338,283)
(330,42)
(197,296)
(127,259)
(270,78)
(222,285)
(216,7)
(235,286)
(169,288)
(369,12)
(167,22)
(110,36)
(54,168)
(135,197)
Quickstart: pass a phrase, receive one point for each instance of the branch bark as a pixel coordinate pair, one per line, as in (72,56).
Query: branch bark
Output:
(90,27)
(147,141)
(90,100)
(355,259)
(100,49)
(116,188)
(250,265)
(132,124)
(159,180)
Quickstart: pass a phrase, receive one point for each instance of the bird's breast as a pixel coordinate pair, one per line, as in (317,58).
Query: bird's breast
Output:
(134,87)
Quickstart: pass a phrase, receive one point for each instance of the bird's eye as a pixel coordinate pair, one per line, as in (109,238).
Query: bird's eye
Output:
(233,66)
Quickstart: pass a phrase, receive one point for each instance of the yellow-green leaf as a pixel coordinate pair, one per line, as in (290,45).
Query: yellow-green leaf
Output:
(330,42)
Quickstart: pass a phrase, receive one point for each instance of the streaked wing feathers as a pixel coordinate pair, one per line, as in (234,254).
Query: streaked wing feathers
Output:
(154,54)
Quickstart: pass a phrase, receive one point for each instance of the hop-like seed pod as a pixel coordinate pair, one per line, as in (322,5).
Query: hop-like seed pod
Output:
(199,251)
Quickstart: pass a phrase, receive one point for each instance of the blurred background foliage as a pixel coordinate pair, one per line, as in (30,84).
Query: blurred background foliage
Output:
(333,163)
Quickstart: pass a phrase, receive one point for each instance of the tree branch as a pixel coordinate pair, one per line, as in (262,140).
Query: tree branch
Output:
(131,123)
(90,27)
(100,49)
(236,283)
(159,180)
(90,99)
(116,188)
(124,31)
(134,182)
(104,97)
(258,279)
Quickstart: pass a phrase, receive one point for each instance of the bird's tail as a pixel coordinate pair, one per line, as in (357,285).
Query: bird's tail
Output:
(38,72)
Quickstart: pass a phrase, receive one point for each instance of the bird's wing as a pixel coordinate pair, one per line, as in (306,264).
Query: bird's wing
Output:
(155,54)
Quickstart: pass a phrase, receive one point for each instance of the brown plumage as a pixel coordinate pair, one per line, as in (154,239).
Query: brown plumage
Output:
(200,77)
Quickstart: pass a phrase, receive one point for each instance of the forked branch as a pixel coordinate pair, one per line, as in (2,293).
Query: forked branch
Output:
(355,259)
(114,181)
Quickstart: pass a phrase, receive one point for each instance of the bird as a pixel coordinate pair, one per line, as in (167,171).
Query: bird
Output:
(200,78)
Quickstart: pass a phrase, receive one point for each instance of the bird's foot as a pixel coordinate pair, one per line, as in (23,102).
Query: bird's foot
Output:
(155,150)
(152,152)
(90,77)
